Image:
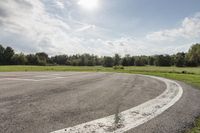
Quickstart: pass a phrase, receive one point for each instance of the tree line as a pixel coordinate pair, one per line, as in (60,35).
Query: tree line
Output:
(181,59)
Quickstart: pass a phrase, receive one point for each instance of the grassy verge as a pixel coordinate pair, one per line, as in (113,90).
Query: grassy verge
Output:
(196,128)
(185,74)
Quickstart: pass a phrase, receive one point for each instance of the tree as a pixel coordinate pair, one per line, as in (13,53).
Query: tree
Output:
(32,59)
(173,59)
(91,60)
(192,58)
(139,61)
(117,60)
(8,53)
(2,49)
(60,59)
(75,62)
(98,61)
(19,59)
(193,55)
(132,61)
(42,58)
(127,61)
(180,59)
(163,60)
(151,60)
(108,62)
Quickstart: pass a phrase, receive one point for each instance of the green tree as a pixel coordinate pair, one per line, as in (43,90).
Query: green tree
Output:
(19,59)
(163,60)
(124,61)
(108,62)
(117,60)
(8,53)
(98,61)
(127,60)
(32,59)
(151,60)
(140,61)
(2,49)
(180,59)
(60,59)
(42,58)
(132,61)
(193,57)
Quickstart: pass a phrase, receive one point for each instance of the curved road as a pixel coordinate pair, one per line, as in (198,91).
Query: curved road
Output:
(44,102)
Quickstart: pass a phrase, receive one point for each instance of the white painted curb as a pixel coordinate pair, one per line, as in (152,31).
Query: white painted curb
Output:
(133,117)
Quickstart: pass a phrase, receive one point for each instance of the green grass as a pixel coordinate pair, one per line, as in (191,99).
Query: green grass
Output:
(189,75)
(186,74)
(191,70)
(196,128)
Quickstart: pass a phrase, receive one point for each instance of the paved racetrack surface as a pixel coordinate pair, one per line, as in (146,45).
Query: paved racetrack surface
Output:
(41,102)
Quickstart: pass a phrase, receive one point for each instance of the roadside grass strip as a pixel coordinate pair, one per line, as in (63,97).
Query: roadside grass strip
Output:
(133,117)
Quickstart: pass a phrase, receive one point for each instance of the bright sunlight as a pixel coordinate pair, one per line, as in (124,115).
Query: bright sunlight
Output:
(89,4)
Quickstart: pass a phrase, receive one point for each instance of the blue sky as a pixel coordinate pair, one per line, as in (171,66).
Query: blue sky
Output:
(102,27)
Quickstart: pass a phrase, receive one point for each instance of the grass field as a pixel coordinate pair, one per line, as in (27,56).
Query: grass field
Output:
(186,74)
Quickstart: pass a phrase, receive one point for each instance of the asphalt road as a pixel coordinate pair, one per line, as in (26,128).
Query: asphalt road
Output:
(41,102)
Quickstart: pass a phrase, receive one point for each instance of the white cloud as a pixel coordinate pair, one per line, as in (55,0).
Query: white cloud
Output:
(60,3)
(35,29)
(28,26)
(189,29)
(86,27)
(42,30)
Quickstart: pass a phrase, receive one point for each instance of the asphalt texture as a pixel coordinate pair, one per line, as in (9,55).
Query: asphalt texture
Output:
(41,102)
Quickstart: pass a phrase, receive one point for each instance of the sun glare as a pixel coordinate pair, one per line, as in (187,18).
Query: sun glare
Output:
(89,4)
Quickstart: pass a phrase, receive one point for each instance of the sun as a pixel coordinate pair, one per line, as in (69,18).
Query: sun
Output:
(89,4)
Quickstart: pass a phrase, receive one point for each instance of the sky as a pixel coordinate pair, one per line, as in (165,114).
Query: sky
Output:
(100,27)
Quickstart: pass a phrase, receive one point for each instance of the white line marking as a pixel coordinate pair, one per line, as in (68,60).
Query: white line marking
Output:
(47,75)
(18,79)
(42,76)
(36,80)
(135,116)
